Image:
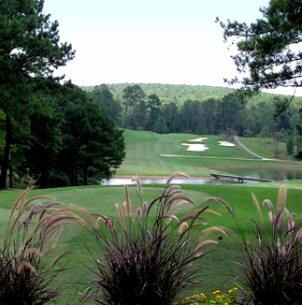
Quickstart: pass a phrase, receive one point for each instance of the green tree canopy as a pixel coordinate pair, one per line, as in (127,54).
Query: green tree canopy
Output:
(269,49)
(231,113)
(104,97)
(154,115)
(73,142)
(30,49)
(135,107)
(92,146)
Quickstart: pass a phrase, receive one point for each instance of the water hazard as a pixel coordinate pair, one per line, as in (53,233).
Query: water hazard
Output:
(275,174)
(151,180)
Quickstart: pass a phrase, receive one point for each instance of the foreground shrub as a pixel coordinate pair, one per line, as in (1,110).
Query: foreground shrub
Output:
(148,256)
(273,264)
(28,263)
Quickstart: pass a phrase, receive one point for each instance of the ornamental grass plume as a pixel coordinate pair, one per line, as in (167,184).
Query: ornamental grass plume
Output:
(272,266)
(28,253)
(147,257)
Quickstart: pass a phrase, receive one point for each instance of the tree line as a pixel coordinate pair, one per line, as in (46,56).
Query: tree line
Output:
(234,111)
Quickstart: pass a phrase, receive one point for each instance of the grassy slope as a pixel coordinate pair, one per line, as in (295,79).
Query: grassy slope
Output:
(144,158)
(263,146)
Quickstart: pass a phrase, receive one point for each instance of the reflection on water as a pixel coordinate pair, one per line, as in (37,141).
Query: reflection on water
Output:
(270,173)
(129,181)
(277,174)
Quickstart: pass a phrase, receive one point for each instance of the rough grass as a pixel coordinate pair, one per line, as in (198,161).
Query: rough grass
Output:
(218,268)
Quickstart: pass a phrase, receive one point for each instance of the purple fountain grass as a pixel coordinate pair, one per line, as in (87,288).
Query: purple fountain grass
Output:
(26,273)
(272,265)
(147,257)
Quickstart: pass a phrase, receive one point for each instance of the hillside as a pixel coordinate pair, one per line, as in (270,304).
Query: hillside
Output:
(180,93)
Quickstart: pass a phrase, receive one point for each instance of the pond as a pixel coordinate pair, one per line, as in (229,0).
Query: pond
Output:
(276,173)
(151,180)
(280,173)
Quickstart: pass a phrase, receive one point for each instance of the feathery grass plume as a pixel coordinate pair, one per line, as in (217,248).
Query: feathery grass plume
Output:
(85,215)
(138,186)
(19,201)
(122,216)
(177,175)
(215,229)
(26,275)
(272,265)
(127,200)
(258,207)
(281,198)
(223,203)
(148,257)
(183,227)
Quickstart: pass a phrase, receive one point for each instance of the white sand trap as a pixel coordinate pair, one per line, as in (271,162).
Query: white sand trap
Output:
(225,143)
(198,139)
(195,147)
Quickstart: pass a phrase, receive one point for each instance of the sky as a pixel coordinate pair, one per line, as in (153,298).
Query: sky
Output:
(149,41)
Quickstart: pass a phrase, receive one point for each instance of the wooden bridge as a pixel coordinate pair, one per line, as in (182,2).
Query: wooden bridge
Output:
(239,178)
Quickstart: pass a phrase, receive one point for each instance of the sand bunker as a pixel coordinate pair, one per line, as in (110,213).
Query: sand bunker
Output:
(195,147)
(225,143)
(198,139)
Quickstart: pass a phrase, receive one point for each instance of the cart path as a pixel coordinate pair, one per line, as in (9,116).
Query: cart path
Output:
(237,140)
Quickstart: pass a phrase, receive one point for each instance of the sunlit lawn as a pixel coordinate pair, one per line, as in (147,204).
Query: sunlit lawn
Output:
(218,267)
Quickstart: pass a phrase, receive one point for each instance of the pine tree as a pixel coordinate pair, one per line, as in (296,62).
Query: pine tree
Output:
(30,50)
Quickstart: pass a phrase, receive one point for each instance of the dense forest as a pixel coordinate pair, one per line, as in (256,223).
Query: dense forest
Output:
(202,110)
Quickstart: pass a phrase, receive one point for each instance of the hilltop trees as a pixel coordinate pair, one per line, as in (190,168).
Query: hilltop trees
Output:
(247,115)
(135,106)
(269,49)
(231,113)
(29,50)
(154,114)
(102,95)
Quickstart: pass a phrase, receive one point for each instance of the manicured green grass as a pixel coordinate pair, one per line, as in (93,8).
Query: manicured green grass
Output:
(149,154)
(218,267)
(264,146)
(144,150)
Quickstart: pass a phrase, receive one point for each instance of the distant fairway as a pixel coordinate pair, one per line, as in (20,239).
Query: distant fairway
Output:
(152,154)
